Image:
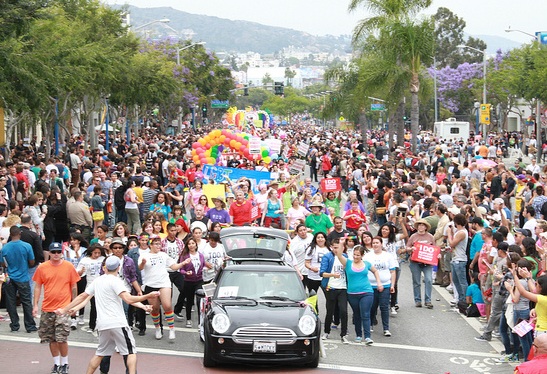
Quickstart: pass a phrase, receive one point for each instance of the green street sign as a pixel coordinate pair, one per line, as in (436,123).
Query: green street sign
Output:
(220,104)
(377,107)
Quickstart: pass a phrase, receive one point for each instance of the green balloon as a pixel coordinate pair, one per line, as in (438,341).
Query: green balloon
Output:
(265,153)
(246,137)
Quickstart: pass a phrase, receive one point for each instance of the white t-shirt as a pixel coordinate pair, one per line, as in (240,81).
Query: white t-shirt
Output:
(299,247)
(110,312)
(384,262)
(196,261)
(172,251)
(315,258)
(338,283)
(142,252)
(290,259)
(92,267)
(214,256)
(155,270)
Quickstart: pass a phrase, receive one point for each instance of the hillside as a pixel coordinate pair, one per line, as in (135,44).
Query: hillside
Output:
(236,36)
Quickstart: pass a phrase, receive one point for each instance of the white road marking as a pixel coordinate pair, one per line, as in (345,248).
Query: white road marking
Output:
(353,369)
(423,349)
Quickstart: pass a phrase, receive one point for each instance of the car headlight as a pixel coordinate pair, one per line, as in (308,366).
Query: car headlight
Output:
(307,324)
(221,323)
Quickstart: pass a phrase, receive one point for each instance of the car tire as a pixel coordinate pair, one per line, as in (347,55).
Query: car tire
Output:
(208,361)
(315,362)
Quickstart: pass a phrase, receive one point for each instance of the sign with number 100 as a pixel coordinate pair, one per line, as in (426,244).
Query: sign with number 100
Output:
(425,253)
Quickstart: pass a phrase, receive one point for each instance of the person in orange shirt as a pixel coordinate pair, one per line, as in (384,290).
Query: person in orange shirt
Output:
(483,150)
(58,278)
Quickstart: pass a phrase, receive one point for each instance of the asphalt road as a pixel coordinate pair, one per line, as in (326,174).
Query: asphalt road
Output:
(424,341)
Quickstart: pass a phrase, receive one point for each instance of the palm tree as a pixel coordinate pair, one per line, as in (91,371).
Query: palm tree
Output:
(398,42)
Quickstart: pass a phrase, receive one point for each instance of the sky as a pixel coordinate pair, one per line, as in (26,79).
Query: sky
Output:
(320,17)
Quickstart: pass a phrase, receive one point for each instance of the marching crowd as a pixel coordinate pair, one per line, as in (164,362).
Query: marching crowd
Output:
(138,216)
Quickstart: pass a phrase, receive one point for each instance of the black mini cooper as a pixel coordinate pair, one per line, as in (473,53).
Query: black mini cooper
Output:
(256,311)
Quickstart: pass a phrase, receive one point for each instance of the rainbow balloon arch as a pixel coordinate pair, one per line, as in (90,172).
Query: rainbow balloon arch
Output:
(208,149)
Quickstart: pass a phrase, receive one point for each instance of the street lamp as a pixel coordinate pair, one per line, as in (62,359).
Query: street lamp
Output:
(163,20)
(186,47)
(178,64)
(483,69)
(537,36)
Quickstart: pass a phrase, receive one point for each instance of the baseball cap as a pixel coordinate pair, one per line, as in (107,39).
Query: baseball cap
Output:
(477,220)
(498,200)
(112,263)
(55,246)
(117,240)
(524,232)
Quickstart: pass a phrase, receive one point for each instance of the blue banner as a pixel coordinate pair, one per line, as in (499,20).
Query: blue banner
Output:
(218,174)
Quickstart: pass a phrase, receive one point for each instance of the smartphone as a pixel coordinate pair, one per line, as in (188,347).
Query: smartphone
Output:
(401,212)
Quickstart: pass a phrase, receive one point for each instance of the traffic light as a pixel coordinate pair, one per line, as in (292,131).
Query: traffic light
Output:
(246,90)
(279,88)
(485,113)
(204,110)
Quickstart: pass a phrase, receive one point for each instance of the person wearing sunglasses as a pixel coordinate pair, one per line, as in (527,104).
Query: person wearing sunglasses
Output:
(539,362)
(58,279)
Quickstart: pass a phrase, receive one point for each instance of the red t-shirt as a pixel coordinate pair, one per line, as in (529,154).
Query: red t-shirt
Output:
(241,212)
(191,175)
(357,219)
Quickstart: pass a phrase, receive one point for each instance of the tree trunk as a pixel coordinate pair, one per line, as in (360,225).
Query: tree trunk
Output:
(399,123)
(414,110)
(363,125)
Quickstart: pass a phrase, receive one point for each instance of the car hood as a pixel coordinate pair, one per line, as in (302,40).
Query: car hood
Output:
(274,314)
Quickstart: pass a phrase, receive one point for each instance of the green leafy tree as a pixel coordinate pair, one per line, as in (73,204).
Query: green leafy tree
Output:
(267,79)
(402,44)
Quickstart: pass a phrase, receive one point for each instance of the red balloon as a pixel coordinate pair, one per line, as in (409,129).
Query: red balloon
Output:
(208,146)
(243,149)
(196,145)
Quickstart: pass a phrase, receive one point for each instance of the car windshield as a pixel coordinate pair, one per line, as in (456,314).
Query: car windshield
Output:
(256,241)
(256,285)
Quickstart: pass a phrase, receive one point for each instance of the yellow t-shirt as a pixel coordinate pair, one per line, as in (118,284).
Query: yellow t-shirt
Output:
(519,201)
(138,192)
(541,312)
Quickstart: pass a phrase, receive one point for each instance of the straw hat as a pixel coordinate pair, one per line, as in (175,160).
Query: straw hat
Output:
(422,221)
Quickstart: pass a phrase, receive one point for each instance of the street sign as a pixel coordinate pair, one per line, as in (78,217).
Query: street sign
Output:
(377,107)
(485,113)
(542,36)
(220,104)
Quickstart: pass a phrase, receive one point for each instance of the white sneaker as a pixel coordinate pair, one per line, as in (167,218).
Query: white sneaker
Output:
(387,333)
(159,334)
(171,334)
(345,339)
(73,324)
(450,288)
(188,324)
(325,336)
(81,320)
(393,311)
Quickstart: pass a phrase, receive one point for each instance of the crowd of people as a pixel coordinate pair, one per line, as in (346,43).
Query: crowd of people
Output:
(139,211)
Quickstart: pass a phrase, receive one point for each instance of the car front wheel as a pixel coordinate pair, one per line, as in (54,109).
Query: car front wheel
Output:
(208,361)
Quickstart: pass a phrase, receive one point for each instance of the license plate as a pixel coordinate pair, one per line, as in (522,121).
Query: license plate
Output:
(261,346)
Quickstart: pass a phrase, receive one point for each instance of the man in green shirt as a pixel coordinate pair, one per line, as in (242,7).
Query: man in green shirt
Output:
(318,221)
